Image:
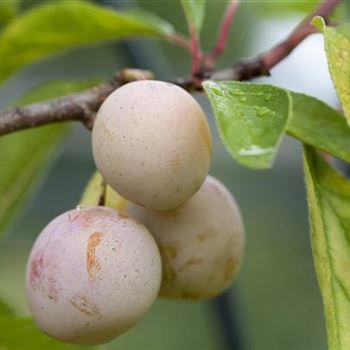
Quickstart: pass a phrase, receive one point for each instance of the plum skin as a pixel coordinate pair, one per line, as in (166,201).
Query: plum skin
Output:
(152,144)
(91,275)
(201,242)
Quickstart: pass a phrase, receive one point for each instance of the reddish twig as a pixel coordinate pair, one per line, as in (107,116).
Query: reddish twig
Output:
(180,40)
(196,53)
(221,42)
(262,64)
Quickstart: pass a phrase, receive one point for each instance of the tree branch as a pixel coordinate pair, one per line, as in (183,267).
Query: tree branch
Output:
(80,107)
(84,105)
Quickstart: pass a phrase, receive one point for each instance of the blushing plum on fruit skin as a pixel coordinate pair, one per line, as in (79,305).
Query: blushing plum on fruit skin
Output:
(152,144)
(201,242)
(91,275)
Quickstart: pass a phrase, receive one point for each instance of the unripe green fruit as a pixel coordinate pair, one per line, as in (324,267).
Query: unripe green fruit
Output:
(152,144)
(201,242)
(91,275)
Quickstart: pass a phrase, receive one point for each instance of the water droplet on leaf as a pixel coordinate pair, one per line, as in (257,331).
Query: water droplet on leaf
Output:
(236,93)
(255,150)
(217,91)
(268,97)
(262,111)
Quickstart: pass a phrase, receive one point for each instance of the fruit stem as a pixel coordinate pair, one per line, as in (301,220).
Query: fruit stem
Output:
(103,194)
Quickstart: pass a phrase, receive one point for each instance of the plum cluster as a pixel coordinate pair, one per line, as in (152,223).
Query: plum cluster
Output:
(93,272)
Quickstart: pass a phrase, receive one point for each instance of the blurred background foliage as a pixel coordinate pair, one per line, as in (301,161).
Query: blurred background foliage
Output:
(275,303)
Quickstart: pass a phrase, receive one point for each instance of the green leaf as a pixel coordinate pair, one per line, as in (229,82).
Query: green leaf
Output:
(195,11)
(284,7)
(52,28)
(23,157)
(4,311)
(22,334)
(24,154)
(329,209)
(337,45)
(290,7)
(319,125)
(251,119)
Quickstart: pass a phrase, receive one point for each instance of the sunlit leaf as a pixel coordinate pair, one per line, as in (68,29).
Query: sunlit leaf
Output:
(329,208)
(251,119)
(284,7)
(278,7)
(319,125)
(337,44)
